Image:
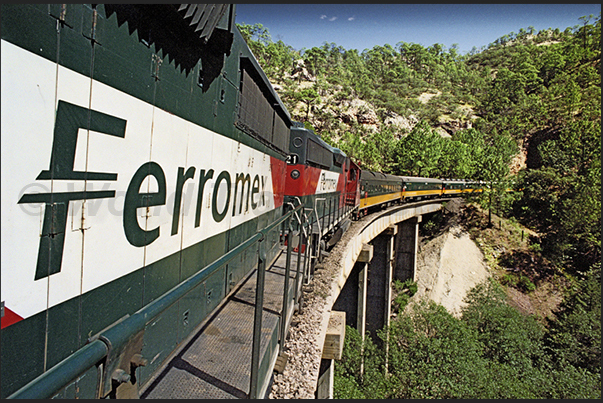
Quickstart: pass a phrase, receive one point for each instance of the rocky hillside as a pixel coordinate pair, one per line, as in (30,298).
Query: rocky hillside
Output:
(348,111)
(464,251)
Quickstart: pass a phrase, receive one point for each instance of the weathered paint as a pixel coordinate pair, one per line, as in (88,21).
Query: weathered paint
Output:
(226,183)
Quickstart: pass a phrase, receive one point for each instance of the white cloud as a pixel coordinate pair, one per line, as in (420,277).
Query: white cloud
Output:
(322,17)
(332,18)
(351,18)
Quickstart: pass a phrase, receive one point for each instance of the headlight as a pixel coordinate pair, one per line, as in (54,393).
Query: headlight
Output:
(295,174)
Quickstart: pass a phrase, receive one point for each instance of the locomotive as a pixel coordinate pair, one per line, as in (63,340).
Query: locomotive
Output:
(140,143)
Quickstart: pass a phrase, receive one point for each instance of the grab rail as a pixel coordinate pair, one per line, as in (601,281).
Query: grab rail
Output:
(111,343)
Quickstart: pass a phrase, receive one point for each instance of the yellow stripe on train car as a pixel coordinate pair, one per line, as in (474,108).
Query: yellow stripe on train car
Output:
(430,192)
(373,200)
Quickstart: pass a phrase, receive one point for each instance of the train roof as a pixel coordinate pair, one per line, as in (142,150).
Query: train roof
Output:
(300,126)
(338,151)
(364,174)
(416,179)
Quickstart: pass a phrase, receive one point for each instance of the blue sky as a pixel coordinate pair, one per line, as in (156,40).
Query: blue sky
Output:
(362,26)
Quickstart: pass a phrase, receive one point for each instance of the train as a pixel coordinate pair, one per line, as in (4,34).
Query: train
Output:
(140,143)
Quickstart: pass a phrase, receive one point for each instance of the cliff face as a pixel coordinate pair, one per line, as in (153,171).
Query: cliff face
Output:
(465,252)
(449,265)
(444,275)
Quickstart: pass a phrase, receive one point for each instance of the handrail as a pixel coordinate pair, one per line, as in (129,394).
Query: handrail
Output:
(48,383)
(316,213)
(318,221)
(297,216)
(57,377)
(259,302)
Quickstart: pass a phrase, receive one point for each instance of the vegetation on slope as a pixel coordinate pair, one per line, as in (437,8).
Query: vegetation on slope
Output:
(524,111)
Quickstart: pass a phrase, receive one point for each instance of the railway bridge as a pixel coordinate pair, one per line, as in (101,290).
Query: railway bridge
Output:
(220,361)
(378,251)
(238,349)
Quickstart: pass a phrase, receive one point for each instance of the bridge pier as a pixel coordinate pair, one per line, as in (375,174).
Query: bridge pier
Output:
(353,298)
(379,281)
(363,261)
(407,242)
(391,255)
(326,379)
(383,251)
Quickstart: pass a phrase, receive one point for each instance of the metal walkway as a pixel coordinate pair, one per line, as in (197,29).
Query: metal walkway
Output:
(217,360)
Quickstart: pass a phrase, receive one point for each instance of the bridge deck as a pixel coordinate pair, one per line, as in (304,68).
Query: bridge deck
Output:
(216,362)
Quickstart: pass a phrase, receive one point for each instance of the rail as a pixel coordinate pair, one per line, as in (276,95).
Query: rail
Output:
(119,346)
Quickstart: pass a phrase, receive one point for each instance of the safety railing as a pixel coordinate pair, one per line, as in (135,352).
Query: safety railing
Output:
(255,379)
(118,348)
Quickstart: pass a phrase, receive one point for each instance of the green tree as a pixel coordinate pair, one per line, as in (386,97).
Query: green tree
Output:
(493,351)
(418,153)
(508,336)
(315,60)
(575,337)
(308,96)
(455,161)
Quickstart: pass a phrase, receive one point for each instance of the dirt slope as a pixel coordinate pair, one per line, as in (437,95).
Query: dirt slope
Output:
(449,264)
(447,267)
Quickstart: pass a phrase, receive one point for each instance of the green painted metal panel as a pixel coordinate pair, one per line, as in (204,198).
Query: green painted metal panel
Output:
(63,331)
(160,340)
(226,105)
(122,61)
(75,50)
(215,289)
(196,257)
(161,276)
(84,387)
(110,302)
(22,353)
(69,14)
(67,393)
(38,35)
(172,91)
(192,311)
(87,384)
(238,267)
(231,68)
(202,100)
